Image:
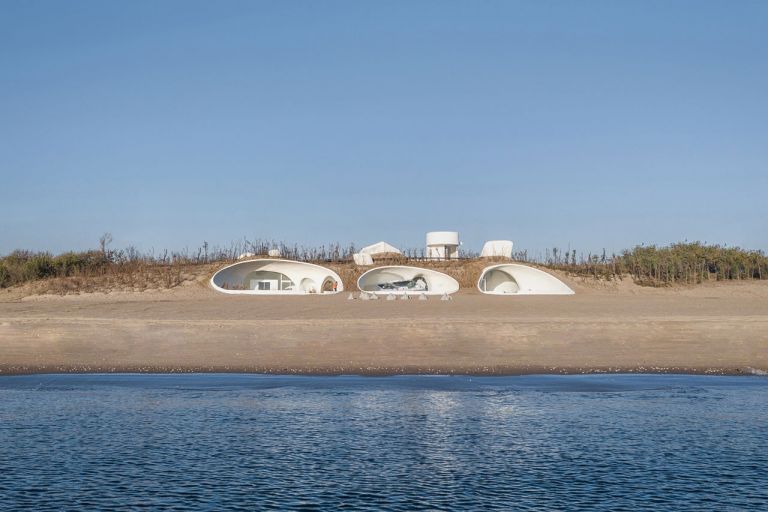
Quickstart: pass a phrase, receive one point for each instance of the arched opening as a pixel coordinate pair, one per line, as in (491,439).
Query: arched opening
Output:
(329,285)
(401,279)
(498,281)
(308,285)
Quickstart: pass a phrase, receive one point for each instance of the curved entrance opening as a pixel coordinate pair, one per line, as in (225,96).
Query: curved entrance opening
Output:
(308,285)
(329,285)
(400,279)
(498,281)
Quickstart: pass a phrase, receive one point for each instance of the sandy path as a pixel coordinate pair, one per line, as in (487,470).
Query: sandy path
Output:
(719,328)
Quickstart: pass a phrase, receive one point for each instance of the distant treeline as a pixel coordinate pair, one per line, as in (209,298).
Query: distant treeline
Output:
(681,263)
(684,263)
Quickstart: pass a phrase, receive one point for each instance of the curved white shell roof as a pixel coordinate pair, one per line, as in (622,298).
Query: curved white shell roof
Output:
(497,249)
(382,280)
(275,277)
(516,279)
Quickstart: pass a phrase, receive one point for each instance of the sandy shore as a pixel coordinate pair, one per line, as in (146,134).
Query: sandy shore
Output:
(718,328)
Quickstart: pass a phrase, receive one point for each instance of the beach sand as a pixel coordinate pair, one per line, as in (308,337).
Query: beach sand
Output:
(715,327)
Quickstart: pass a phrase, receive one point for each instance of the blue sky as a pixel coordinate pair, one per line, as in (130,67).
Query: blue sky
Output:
(593,123)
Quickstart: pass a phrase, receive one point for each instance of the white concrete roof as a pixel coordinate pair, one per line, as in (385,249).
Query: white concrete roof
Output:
(516,279)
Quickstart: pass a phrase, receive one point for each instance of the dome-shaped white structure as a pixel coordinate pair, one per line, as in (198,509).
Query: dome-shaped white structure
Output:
(275,277)
(400,279)
(497,249)
(516,279)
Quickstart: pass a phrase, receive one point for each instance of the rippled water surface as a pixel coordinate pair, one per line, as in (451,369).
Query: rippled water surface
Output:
(248,442)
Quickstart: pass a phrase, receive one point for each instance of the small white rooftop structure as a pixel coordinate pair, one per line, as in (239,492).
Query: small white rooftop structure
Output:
(379,248)
(497,249)
(362,260)
(275,277)
(443,245)
(365,256)
(516,279)
(400,279)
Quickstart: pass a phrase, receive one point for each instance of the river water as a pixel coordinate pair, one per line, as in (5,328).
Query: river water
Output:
(252,442)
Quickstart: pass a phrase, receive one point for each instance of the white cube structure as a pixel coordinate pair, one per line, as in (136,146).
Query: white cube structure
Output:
(443,245)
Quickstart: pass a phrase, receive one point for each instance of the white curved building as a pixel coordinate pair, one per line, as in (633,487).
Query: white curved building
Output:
(399,280)
(516,279)
(275,277)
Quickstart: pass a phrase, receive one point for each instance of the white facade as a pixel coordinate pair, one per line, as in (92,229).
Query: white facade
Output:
(497,249)
(443,245)
(401,280)
(276,277)
(516,279)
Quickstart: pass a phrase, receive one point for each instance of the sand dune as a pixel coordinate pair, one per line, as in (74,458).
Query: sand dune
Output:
(719,327)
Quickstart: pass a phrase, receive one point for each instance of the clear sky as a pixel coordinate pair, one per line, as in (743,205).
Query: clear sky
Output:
(590,123)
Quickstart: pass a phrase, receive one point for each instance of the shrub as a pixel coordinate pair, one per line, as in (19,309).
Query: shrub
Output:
(39,266)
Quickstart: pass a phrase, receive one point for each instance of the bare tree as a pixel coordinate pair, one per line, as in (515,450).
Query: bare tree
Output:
(104,242)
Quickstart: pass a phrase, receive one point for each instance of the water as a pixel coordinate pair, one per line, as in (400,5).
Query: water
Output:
(248,442)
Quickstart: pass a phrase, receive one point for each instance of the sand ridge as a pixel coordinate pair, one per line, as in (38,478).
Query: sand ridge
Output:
(616,326)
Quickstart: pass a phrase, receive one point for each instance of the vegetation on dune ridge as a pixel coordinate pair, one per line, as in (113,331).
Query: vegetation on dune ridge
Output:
(680,263)
(105,268)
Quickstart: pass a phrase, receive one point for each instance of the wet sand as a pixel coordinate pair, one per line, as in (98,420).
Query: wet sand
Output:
(711,328)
